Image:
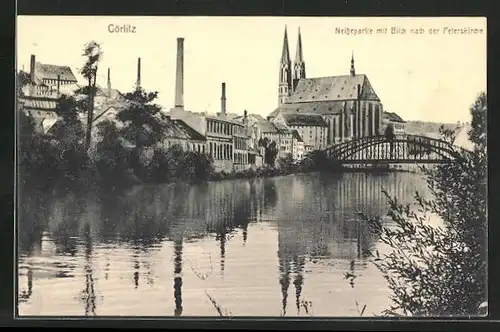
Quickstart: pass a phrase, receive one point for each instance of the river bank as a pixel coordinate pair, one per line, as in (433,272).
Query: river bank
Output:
(129,179)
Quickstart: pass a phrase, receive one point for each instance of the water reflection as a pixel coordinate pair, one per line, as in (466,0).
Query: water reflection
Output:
(177,276)
(89,291)
(314,219)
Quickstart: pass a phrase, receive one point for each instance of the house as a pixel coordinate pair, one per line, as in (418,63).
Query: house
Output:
(396,121)
(312,128)
(298,149)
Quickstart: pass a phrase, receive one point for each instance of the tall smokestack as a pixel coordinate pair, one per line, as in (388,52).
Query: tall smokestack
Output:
(138,83)
(32,68)
(223,99)
(109,80)
(179,75)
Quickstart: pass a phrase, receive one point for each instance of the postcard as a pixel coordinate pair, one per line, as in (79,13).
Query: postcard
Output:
(191,166)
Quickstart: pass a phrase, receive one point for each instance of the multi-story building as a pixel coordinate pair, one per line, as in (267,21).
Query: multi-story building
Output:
(297,146)
(240,143)
(396,121)
(219,134)
(311,127)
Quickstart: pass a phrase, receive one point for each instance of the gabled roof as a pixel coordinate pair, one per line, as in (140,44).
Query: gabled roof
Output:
(48,104)
(300,119)
(190,132)
(391,116)
(332,88)
(282,129)
(296,135)
(44,71)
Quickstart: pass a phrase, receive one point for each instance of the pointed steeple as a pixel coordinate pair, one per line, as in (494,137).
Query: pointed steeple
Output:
(285,75)
(353,71)
(299,57)
(299,67)
(285,53)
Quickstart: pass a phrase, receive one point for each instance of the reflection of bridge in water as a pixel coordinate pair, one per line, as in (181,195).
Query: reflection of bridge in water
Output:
(402,149)
(318,222)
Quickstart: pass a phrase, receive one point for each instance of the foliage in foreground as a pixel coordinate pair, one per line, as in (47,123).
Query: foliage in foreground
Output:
(440,270)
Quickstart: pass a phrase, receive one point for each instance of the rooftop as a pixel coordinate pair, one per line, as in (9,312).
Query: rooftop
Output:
(391,116)
(45,71)
(296,135)
(332,88)
(301,119)
(315,107)
(190,132)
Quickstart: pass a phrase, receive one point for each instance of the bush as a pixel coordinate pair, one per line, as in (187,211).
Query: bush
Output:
(440,271)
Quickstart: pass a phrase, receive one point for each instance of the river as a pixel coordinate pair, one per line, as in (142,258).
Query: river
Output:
(260,247)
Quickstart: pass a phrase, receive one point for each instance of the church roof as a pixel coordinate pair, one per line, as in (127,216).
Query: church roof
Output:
(332,88)
(301,119)
(319,107)
(45,71)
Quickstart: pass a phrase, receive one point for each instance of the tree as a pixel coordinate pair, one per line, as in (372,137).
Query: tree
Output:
(92,52)
(389,132)
(270,150)
(287,163)
(477,133)
(142,126)
(23,78)
(440,270)
(112,156)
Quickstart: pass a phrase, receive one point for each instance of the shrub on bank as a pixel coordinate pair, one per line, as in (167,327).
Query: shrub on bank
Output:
(441,271)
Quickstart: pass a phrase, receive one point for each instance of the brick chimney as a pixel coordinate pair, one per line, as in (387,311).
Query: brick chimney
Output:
(32,68)
(32,88)
(138,82)
(179,75)
(109,80)
(223,99)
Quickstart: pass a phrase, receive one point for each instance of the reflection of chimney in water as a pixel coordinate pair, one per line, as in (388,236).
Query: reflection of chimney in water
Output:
(222,239)
(298,281)
(136,268)
(284,273)
(90,304)
(178,276)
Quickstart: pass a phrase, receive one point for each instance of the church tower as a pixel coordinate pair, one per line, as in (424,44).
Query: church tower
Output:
(299,67)
(353,71)
(285,82)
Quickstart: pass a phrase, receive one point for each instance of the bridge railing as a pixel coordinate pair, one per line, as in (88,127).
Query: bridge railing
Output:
(403,147)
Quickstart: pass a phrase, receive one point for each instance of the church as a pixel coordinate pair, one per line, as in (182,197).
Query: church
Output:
(347,104)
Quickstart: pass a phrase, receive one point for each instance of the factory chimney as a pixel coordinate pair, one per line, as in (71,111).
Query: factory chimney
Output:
(223,99)
(179,75)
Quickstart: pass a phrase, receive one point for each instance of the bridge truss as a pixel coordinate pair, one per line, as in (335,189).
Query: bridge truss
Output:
(402,149)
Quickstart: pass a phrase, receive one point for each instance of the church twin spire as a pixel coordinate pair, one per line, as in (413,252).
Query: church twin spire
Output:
(287,80)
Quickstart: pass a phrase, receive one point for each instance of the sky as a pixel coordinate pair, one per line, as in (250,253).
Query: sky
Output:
(428,76)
